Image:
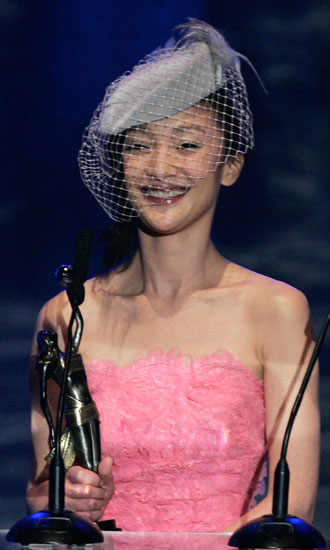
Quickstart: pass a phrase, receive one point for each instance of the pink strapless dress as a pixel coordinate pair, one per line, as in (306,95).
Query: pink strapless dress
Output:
(187,440)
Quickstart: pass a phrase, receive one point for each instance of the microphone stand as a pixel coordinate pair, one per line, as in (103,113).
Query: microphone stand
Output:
(280,529)
(58,525)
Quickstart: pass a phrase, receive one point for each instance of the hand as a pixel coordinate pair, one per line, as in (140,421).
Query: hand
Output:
(88,493)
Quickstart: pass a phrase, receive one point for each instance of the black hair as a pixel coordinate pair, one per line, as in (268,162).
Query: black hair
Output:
(120,242)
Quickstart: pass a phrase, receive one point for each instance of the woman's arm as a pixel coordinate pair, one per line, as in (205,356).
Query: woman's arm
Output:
(285,346)
(86,492)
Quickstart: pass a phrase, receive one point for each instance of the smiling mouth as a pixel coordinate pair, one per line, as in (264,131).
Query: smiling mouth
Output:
(161,194)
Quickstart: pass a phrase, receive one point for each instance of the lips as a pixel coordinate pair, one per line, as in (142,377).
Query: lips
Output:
(164,195)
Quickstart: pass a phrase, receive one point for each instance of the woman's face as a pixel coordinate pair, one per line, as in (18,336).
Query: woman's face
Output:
(172,166)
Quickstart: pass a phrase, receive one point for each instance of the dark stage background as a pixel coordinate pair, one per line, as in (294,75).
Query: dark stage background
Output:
(57,59)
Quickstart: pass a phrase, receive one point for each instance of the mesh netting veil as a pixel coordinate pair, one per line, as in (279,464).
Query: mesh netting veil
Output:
(162,128)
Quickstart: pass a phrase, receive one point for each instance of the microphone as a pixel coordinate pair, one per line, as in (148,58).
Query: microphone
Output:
(57,525)
(75,290)
(280,529)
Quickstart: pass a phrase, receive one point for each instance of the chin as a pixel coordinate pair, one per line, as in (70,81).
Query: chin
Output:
(158,220)
(157,229)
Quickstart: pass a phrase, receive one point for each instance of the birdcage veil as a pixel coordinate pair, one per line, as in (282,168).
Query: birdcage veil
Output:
(183,108)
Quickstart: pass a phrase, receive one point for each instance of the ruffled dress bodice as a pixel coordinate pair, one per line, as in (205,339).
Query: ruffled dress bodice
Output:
(187,440)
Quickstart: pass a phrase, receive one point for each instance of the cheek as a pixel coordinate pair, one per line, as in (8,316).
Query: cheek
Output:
(133,170)
(199,167)
(215,157)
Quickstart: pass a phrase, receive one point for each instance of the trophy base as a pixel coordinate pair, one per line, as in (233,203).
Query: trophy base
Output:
(47,527)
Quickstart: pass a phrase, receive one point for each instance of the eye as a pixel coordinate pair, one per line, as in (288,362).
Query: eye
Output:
(135,146)
(189,145)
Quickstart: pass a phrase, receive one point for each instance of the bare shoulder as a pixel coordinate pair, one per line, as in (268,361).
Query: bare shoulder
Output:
(56,312)
(282,319)
(54,315)
(272,298)
(278,298)
(274,308)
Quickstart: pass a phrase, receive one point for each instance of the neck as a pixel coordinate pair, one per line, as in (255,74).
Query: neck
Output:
(175,265)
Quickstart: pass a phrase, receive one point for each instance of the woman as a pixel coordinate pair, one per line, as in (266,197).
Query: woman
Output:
(193,361)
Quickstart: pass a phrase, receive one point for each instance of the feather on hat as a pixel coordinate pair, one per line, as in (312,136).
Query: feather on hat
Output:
(170,79)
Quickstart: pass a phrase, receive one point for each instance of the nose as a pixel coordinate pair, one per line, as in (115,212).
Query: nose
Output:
(160,165)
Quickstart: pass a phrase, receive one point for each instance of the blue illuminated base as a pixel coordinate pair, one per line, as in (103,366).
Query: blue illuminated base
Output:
(288,532)
(65,528)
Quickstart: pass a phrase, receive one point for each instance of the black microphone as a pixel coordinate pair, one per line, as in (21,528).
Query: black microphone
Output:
(76,294)
(280,529)
(57,525)
(76,291)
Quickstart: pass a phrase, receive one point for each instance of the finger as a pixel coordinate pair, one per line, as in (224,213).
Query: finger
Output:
(83,491)
(105,468)
(91,515)
(76,474)
(90,508)
(105,471)
(84,505)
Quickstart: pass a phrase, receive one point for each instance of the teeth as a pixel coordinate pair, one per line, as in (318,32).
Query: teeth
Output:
(164,194)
